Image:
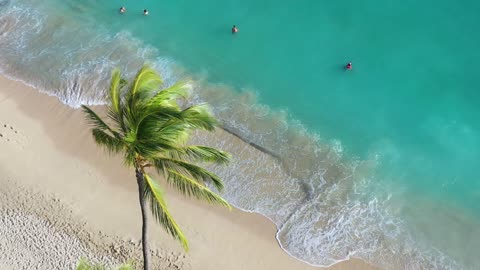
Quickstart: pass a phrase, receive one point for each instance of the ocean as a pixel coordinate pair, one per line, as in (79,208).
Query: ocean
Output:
(378,162)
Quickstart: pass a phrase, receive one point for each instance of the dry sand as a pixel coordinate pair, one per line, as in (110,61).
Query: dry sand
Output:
(62,198)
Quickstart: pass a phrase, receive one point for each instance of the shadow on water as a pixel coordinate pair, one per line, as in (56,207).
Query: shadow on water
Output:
(256,146)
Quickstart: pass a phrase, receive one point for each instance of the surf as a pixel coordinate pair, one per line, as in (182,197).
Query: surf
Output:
(354,164)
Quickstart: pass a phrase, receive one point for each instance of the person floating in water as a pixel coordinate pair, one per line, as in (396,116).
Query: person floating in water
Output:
(145,12)
(349,65)
(123,10)
(234,29)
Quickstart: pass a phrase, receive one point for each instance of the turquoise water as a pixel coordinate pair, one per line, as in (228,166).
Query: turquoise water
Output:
(381,160)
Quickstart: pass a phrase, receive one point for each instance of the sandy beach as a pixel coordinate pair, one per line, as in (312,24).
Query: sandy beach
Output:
(63,198)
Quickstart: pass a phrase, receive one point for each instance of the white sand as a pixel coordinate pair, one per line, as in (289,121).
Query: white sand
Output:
(62,198)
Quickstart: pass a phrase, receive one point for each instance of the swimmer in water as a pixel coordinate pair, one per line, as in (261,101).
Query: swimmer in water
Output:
(349,66)
(234,29)
(123,10)
(145,12)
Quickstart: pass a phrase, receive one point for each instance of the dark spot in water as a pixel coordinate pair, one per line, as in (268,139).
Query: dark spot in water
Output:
(1,135)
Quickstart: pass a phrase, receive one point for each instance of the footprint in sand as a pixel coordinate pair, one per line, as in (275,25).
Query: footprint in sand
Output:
(9,134)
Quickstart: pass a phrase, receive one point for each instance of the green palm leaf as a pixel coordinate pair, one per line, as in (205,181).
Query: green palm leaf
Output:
(199,117)
(96,121)
(146,81)
(200,153)
(84,264)
(190,187)
(117,83)
(159,209)
(188,169)
(110,143)
(168,97)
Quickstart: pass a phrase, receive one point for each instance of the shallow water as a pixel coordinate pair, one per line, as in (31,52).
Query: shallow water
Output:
(378,162)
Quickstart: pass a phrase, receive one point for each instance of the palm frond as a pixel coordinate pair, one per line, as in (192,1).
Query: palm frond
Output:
(190,187)
(200,153)
(97,122)
(168,96)
(149,149)
(116,85)
(174,129)
(159,210)
(110,143)
(163,165)
(146,81)
(117,119)
(129,156)
(164,103)
(153,139)
(84,264)
(199,117)
(115,110)
(161,133)
(127,266)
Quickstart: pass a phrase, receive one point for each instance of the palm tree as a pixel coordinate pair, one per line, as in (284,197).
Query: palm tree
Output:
(151,130)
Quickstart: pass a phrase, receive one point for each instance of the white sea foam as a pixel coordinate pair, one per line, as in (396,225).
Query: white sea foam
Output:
(319,198)
(59,57)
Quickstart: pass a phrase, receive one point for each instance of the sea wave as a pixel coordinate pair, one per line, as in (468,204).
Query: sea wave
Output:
(60,57)
(316,193)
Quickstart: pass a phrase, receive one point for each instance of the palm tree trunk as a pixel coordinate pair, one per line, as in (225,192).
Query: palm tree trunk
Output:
(143,207)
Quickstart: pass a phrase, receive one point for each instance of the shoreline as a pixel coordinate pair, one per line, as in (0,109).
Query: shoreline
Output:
(53,130)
